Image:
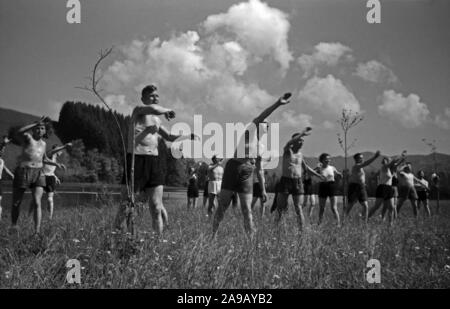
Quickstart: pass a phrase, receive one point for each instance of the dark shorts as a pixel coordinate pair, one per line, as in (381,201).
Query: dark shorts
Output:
(384,192)
(257,191)
(205,189)
(192,192)
(357,192)
(28,177)
(149,171)
(292,186)
(407,193)
(50,184)
(308,187)
(422,195)
(238,176)
(327,189)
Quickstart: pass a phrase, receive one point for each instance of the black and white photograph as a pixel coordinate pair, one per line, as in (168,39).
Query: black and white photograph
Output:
(224,150)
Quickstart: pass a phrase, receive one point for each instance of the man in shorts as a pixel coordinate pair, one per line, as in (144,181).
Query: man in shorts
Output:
(238,172)
(406,190)
(385,192)
(3,168)
(215,174)
(28,173)
(291,182)
(357,185)
(147,131)
(51,180)
(423,190)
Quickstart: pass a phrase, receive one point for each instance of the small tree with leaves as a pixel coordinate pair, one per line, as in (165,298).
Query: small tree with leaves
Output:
(348,120)
(435,177)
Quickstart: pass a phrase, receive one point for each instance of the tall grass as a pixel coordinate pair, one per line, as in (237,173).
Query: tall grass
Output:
(412,254)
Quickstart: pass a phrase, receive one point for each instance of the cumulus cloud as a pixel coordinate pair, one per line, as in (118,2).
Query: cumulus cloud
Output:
(443,121)
(375,72)
(328,54)
(328,125)
(328,95)
(194,71)
(261,29)
(408,111)
(296,120)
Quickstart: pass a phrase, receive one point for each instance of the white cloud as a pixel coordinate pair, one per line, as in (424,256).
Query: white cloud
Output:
(208,70)
(329,54)
(328,95)
(443,121)
(374,71)
(261,29)
(408,111)
(296,120)
(328,125)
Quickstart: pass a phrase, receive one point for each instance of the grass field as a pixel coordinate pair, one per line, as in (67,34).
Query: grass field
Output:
(412,255)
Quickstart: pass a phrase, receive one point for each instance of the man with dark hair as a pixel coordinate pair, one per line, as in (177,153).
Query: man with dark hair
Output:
(238,173)
(28,173)
(146,131)
(423,189)
(357,185)
(215,174)
(406,189)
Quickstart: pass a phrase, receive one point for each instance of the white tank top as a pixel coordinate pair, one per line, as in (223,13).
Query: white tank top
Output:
(327,172)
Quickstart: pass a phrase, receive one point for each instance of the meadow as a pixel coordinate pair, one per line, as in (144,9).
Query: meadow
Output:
(412,254)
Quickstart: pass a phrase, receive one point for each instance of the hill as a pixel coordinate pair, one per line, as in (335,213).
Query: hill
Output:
(9,118)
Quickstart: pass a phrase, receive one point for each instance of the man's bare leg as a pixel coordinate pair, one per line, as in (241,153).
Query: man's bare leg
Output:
(365,211)
(414,207)
(212,204)
(194,202)
(298,211)
(254,200)
(246,201)
(155,195)
(334,209)
(1,209)
(426,205)
(15,208)
(401,201)
(281,206)
(378,203)
(322,203)
(37,198)
(50,204)
(263,207)
(224,200)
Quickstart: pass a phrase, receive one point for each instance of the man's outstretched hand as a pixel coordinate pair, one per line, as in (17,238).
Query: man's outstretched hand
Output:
(285,98)
(170,115)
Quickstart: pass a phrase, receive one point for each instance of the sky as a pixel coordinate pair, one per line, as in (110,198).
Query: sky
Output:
(228,60)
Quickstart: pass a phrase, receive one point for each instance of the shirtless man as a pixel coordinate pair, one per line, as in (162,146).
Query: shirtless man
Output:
(406,188)
(3,168)
(51,180)
(385,192)
(146,129)
(238,173)
(28,173)
(357,185)
(258,192)
(291,182)
(327,186)
(423,189)
(215,174)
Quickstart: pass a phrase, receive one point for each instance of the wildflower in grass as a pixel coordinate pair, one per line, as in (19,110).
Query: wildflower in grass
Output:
(360,252)
(447,267)
(276,277)
(8,274)
(416,248)
(165,241)
(142,240)
(169,258)
(75,240)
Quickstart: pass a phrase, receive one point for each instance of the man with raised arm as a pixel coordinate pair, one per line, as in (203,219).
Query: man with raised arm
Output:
(357,190)
(238,173)
(146,130)
(385,192)
(28,173)
(3,167)
(406,189)
(215,174)
(291,182)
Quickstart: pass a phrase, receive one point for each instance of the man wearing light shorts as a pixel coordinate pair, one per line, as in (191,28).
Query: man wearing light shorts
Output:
(215,174)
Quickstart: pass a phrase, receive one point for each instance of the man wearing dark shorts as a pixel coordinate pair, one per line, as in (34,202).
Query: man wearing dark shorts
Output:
(146,132)
(406,189)
(238,172)
(357,185)
(327,187)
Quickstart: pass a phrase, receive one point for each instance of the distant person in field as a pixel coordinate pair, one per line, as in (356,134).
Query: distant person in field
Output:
(327,186)
(192,190)
(385,192)
(238,173)
(394,171)
(149,171)
(3,167)
(215,175)
(29,172)
(357,190)
(406,189)
(51,180)
(308,196)
(257,192)
(423,190)
(291,182)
